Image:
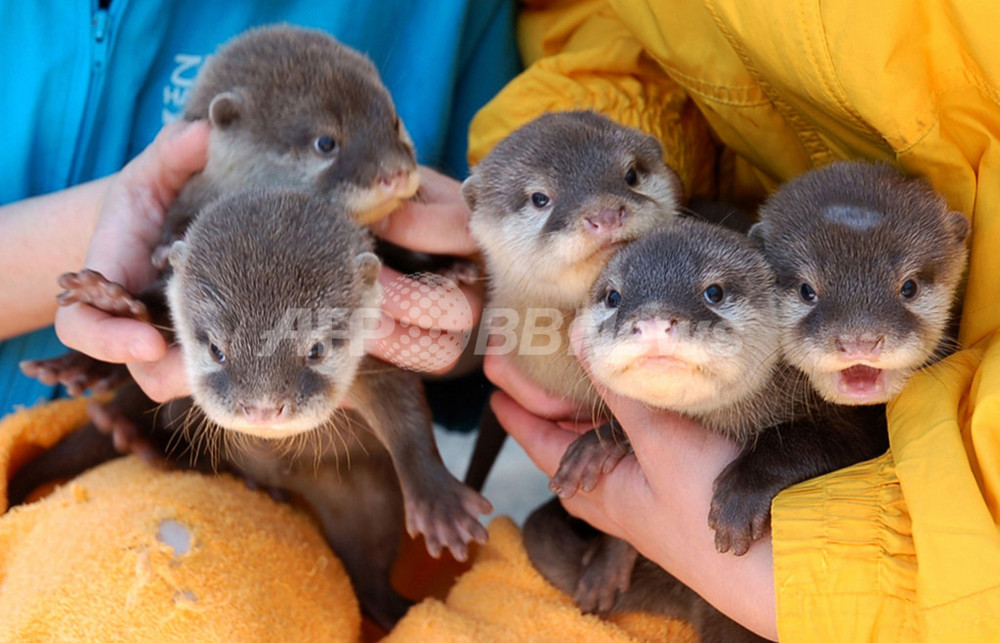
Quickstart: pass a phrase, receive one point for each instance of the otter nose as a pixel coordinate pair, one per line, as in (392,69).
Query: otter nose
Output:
(263,413)
(653,328)
(606,220)
(859,346)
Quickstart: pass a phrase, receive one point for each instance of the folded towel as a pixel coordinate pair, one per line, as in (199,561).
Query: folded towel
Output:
(503,598)
(128,552)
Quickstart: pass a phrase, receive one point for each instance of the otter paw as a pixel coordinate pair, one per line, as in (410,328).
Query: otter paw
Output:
(448,518)
(76,371)
(92,288)
(125,435)
(276,494)
(739,516)
(607,572)
(589,457)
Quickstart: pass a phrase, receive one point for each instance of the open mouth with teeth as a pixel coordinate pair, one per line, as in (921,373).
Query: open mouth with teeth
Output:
(862,383)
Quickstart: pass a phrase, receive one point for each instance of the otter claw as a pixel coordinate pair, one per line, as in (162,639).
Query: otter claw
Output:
(76,371)
(92,288)
(589,457)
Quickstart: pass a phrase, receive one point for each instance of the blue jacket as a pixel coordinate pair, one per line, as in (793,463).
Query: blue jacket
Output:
(85,88)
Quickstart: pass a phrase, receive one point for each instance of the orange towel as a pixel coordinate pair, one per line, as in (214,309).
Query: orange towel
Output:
(128,552)
(503,598)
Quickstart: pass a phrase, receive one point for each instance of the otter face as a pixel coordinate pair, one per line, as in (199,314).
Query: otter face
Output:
(867,263)
(264,298)
(683,319)
(294,108)
(557,197)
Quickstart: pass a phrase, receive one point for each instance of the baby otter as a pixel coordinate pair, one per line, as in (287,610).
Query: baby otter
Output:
(868,261)
(684,319)
(550,204)
(270,322)
(294,108)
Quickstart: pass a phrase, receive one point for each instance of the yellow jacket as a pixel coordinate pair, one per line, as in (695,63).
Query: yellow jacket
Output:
(745,94)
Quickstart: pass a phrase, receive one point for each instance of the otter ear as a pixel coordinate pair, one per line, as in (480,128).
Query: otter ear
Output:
(470,190)
(225,109)
(177,255)
(958,226)
(368,266)
(757,233)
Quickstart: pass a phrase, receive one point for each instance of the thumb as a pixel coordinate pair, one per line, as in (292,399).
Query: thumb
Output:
(179,150)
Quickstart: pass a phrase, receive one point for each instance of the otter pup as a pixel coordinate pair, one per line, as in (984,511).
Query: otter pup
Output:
(550,204)
(294,108)
(684,319)
(868,261)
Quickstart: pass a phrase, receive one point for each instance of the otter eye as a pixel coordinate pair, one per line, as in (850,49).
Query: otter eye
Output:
(325,145)
(714,294)
(631,177)
(909,289)
(807,294)
(217,354)
(316,353)
(613,299)
(540,199)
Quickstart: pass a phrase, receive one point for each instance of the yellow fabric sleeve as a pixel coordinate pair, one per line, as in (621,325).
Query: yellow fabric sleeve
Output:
(591,61)
(854,561)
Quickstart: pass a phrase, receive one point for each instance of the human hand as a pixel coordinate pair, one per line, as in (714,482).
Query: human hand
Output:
(436,223)
(564,412)
(657,499)
(121,248)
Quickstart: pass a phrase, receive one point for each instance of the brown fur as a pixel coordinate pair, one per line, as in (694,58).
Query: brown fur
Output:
(558,545)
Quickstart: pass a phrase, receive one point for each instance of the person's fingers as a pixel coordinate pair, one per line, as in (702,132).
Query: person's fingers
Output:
(437,222)
(619,497)
(430,227)
(130,226)
(413,348)
(500,370)
(545,442)
(107,338)
(164,379)
(431,301)
(427,321)
(623,492)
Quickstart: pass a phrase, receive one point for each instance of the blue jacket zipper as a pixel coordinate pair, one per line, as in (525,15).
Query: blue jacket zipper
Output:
(100,39)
